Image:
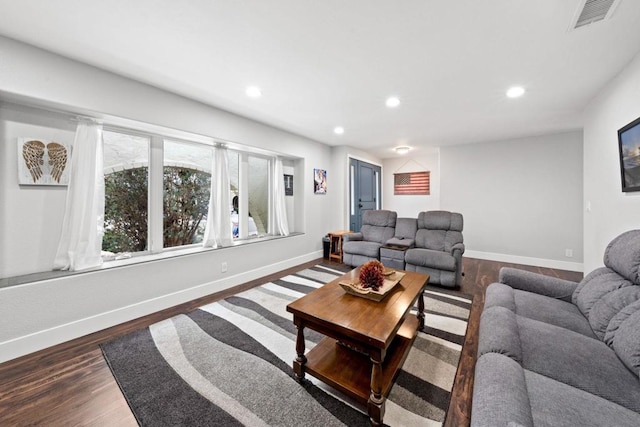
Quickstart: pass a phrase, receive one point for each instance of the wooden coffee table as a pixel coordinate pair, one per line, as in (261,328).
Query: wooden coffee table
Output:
(366,341)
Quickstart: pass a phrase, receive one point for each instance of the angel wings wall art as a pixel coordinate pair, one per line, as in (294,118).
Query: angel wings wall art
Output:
(41,163)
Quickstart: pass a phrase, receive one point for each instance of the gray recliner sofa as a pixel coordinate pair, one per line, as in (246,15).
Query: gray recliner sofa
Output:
(439,248)
(378,226)
(558,353)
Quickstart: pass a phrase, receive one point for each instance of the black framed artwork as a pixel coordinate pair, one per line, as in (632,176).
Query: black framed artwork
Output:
(288,185)
(629,147)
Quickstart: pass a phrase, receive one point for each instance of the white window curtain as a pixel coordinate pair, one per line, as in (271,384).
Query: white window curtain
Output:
(281,225)
(83,224)
(218,229)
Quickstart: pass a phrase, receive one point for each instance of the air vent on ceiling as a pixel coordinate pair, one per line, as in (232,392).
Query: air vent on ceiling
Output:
(594,11)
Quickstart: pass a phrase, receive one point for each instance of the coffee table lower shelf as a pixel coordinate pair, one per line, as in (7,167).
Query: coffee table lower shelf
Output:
(349,371)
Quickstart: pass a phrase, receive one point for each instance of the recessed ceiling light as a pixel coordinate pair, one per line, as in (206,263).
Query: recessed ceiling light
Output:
(392,102)
(253,92)
(338,130)
(515,92)
(402,150)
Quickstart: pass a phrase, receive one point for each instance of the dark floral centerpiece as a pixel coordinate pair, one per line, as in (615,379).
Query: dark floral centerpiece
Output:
(372,275)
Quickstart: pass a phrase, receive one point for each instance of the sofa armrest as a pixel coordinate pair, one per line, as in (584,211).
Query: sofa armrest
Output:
(352,237)
(457,248)
(537,283)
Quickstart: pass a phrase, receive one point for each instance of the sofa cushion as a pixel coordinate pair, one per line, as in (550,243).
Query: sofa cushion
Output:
(376,234)
(596,285)
(601,295)
(380,218)
(439,230)
(431,258)
(368,249)
(617,320)
(554,403)
(623,255)
(378,225)
(626,343)
(406,228)
(552,311)
(437,240)
(538,307)
(585,363)
(609,306)
(440,220)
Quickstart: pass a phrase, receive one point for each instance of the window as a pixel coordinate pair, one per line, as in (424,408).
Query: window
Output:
(157,192)
(249,179)
(126,175)
(234,184)
(258,195)
(186,191)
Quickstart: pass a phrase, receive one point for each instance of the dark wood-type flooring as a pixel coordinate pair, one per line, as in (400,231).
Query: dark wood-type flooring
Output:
(70,384)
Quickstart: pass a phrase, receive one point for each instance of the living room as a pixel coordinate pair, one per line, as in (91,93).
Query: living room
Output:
(549,196)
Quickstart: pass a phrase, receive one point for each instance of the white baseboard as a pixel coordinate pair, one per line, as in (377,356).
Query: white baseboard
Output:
(516,259)
(40,340)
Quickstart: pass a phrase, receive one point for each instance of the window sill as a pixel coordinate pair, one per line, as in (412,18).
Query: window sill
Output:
(134,259)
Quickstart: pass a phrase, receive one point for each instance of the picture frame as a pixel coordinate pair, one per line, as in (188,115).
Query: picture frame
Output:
(319,181)
(42,162)
(288,185)
(629,149)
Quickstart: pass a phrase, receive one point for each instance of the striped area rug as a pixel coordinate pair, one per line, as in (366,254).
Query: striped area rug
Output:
(229,363)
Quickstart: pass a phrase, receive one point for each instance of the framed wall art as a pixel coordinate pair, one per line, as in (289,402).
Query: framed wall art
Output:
(43,162)
(288,185)
(629,148)
(319,181)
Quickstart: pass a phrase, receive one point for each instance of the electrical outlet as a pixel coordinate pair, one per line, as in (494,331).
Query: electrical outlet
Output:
(224,267)
(568,253)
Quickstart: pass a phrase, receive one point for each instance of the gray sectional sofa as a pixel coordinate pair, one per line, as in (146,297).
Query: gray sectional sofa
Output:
(558,353)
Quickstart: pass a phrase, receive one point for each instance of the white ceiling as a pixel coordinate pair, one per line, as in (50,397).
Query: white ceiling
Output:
(326,63)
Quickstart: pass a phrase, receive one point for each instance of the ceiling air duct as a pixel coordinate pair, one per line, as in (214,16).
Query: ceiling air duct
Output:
(594,11)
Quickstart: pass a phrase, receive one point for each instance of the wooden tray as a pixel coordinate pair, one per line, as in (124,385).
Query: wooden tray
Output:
(390,281)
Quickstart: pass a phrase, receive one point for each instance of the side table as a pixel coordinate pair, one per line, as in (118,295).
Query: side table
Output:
(393,256)
(335,244)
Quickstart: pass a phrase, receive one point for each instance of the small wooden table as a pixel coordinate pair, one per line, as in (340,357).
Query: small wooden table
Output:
(366,341)
(335,244)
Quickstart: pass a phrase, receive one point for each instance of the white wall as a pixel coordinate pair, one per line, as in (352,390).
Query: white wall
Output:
(40,314)
(410,206)
(612,211)
(30,216)
(521,199)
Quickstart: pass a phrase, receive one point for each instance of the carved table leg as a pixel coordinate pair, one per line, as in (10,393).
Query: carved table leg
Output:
(376,403)
(421,311)
(301,359)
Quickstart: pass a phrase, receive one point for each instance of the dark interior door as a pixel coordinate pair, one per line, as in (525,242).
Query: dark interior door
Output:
(365,190)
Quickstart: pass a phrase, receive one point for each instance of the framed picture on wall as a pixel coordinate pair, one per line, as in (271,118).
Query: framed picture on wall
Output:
(629,147)
(319,181)
(288,185)
(43,162)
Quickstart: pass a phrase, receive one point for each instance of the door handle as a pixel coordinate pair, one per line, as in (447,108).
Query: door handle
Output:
(360,205)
